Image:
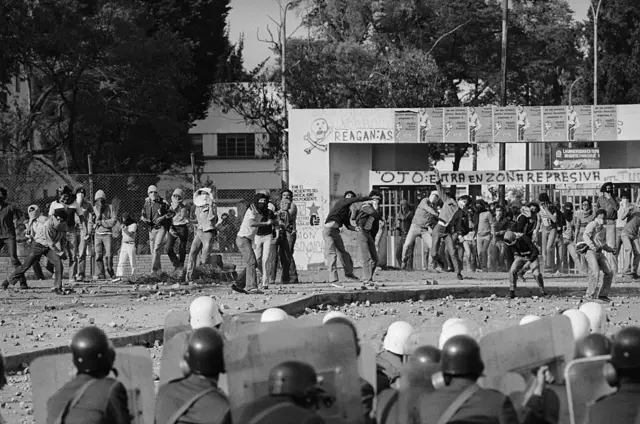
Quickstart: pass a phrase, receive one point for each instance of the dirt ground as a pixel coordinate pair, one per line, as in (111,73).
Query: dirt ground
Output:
(38,319)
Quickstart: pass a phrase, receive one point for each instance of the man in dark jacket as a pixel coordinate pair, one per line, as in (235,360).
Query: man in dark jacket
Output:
(157,214)
(404,218)
(333,244)
(525,253)
(8,213)
(365,216)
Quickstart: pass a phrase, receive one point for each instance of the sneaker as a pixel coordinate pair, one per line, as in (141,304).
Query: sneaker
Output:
(255,291)
(543,293)
(511,295)
(23,285)
(5,285)
(604,299)
(237,289)
(460,277)
(351,277)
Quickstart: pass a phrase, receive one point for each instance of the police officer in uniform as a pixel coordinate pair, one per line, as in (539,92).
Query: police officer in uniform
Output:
(389,361)
(196,397)
(293,397)
(458,397)
(92,397)
(366,389)
(621,407)
(416,375)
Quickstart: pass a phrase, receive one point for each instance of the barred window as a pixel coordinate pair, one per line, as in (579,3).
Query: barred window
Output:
(237,145)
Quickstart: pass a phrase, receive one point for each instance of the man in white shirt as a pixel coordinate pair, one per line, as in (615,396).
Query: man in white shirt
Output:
(66,202)
(254,218)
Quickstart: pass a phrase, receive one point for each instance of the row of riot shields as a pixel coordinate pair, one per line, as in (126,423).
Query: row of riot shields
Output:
(252,349)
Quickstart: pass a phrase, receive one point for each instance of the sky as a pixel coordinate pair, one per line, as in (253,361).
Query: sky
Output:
(252,16)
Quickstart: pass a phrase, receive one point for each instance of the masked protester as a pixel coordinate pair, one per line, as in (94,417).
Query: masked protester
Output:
(50,241)
(548,230)
(282,249)
(179,230)
(83,231)
(226,234)
(35,219)
(631,242)
(524,253)
(499,254)
(256,217)
(624,213)
(365,215)
(566,243)
(157,214)
(92,397)
(205,220)
(103,238)
(129,230)
(610,204)
(420,225)
(594,245)
(484,221)
(66,201)
(8,213)
(404,218)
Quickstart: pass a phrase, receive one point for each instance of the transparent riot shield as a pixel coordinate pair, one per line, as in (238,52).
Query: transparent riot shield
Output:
(135,371)
(586,383)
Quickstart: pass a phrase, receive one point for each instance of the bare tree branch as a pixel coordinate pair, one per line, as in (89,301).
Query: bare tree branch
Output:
(448,33)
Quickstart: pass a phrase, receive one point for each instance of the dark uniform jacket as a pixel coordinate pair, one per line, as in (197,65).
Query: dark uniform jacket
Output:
(212,408)
(367,394)
(621,407)
(388,367)
(483,406)
(104,402)
(550,408)
(276,410)
(525,248)
(387,409)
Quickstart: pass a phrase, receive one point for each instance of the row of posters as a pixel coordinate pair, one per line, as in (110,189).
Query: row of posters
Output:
(507,124)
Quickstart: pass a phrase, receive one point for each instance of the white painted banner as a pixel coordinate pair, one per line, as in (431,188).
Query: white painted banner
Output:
(558,176)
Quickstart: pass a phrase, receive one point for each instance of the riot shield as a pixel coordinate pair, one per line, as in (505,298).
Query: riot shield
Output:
(172,353)
(232,324)
(175,322)
(135,372)
(367,364)
(423,337)
(548,341)
(329,349)
(586,383)
(252,325)
(415,381)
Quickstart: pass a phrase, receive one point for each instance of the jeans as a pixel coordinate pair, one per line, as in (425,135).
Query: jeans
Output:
(409,243)
(201,245)
(548,250)
(471,252)
(499,256)
(181,233)
(263,246)
(519,263)
(35,253)
(127,254)
(437,235)
(281,253)
(598,262)
(72,253)
(293,271)
(156,240)
(568,246)
(399,253)
(333,243)
(482,244)
(83,244)
(103,249)
(631,253)
(369,254)
(12,250)
(450,241)
(381,246)
(248,274)
(610,234)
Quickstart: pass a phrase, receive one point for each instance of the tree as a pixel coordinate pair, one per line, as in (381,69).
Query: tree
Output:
(618,54)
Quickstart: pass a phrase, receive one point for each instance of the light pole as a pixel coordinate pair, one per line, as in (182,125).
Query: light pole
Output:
(502,156)
(571,90)
(595,11)
(283,82)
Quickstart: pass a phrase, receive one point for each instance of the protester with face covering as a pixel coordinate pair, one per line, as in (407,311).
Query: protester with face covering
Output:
(128,245)
(422,224)
(103,240)
(226,233)
(566,243)
(66,201)
(624,212)
(256,217)
(83,231)
(500,255)
(157,214)
(35,219)
(593,238)
(404,217)
(631,243)
(205,223)
(483,223)
(178,230)
(610,204)
(583,218)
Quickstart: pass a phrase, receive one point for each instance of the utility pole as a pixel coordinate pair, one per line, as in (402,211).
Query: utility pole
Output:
(502,146)
(283,51)
(595,11)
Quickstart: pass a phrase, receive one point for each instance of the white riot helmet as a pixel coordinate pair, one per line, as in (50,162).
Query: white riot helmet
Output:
(459,328)
(204,312)
(397,335)
(333,314)
(273,315)
(579,323)
(529,319)
(597,316)
(452,321)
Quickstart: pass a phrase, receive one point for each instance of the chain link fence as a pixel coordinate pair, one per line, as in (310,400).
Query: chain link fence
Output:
(126,193)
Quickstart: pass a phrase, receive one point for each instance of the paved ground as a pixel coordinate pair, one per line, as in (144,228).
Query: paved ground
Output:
(38,319)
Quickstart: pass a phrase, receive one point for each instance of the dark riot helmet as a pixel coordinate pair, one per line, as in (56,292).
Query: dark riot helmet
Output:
(204,354)
(625,352)
(461,357)
(346,321)
(426,355)
(594,344)
(92,351)
(292,378)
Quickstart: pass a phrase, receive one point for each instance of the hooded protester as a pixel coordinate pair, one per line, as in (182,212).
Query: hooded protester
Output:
(257,217)
(610,204)
(83,230)
(104,223)
(206,217)
(178,230)
(129,229)
(404,216)
(157,214)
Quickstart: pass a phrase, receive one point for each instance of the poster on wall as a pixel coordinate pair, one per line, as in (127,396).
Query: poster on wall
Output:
(605,123)
(455,125)
(579,123)
(406,126)
(628,122)
(529,124)
(431,125)
(554,123)
(576,158)
(505,124)
(481,125)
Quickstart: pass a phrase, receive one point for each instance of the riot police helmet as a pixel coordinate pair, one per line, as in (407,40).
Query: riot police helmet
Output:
(292,378)
(426,355)
(625,352)
(461,357)
(92,351)
(594,344)
(204,354)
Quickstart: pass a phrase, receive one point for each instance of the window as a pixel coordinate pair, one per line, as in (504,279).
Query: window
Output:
(237,145)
